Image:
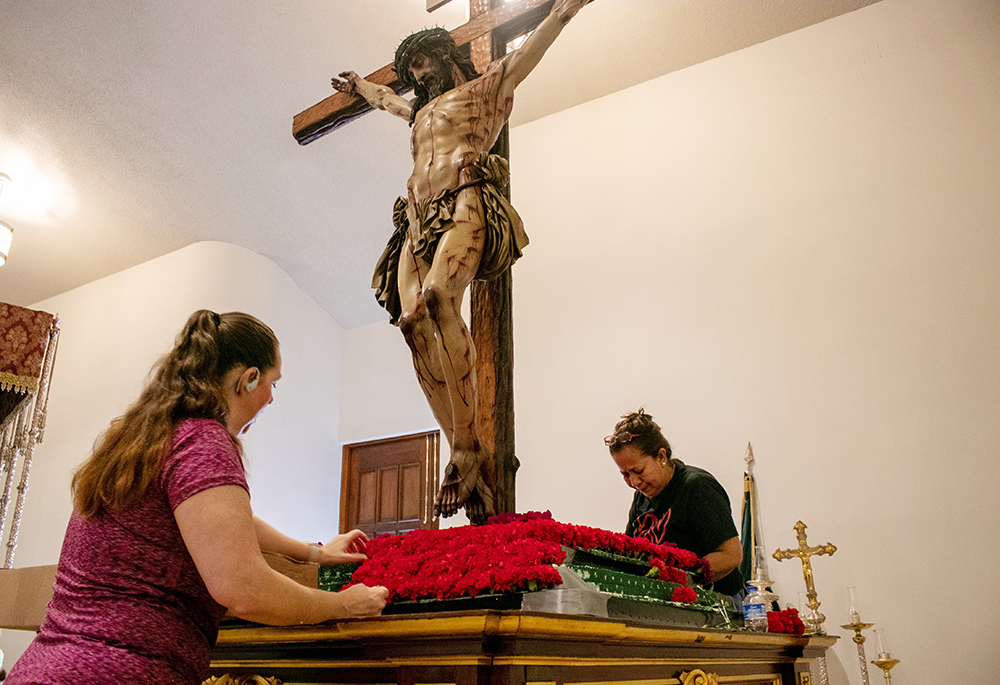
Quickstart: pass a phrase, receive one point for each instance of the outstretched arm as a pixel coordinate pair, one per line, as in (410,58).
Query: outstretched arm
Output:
(379,97)
(524,59)
(346,548)
(220,534)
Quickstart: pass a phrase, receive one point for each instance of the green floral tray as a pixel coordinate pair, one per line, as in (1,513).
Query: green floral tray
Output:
(639,564)
(615,562)
(332,578)
(639,588)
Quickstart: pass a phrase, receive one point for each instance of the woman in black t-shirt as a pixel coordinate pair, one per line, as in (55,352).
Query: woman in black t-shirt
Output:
(675,502)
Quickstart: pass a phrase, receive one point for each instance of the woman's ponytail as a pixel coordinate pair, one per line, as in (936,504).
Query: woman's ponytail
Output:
(186,383)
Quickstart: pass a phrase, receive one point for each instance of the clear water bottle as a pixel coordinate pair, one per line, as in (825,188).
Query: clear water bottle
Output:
(755,610)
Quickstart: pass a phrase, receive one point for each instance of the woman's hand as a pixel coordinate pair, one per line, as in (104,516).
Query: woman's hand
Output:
(344,549)
(359,601)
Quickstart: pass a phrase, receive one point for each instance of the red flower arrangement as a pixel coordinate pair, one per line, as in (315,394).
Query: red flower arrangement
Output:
(513,552)
(786,621)
(684,594)
(526,516)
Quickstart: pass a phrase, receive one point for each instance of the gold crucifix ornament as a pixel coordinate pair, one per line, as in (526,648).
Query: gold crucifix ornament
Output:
(813,618)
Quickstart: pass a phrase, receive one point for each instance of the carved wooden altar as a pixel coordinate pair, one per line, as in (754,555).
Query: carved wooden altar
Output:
(513,647)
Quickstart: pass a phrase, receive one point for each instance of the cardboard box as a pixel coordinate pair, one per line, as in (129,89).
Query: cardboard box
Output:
(24,595)
(302,572)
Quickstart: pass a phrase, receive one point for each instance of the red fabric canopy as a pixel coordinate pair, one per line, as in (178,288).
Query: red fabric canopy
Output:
(24,335)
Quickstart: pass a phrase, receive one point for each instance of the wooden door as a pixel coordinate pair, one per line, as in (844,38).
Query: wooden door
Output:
(388,486)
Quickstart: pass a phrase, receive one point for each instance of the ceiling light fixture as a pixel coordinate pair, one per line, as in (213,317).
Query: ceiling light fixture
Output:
(6,232)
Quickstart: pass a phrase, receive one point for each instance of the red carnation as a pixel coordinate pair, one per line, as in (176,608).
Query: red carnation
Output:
(686,595)
(786,621)
(675,575)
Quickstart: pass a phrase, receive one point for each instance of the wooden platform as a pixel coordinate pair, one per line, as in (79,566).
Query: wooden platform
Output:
(490,647)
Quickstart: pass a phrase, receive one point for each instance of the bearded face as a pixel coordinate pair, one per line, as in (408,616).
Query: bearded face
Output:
(433,76)
(430,81)
(440,81)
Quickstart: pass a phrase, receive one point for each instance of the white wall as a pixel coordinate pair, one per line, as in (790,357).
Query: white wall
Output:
(114,329)
(794,245)
(381,395)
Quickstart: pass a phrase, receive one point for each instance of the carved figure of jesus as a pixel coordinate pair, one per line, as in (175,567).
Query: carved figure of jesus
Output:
(453,226)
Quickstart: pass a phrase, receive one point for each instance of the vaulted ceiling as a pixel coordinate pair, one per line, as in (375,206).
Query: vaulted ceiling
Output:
(132,128)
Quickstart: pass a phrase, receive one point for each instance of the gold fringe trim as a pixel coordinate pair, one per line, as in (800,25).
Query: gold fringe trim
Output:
(9,381)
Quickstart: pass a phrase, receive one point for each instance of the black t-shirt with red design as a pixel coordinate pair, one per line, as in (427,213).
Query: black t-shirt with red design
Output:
(693,512)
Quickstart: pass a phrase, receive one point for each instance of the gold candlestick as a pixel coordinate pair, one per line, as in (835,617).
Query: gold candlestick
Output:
(886,666)
(884,660)
(859,640)
(813,620)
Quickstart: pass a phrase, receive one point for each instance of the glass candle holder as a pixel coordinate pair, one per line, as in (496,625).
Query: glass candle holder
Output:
(852,603)
(881,647)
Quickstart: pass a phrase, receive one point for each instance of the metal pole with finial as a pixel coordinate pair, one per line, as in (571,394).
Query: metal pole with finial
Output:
(754,567)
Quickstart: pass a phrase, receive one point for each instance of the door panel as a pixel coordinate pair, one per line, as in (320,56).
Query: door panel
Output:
(366,507)
(410,503)
(388,486)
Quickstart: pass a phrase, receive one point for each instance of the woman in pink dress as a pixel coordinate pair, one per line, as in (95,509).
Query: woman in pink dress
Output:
(162,540)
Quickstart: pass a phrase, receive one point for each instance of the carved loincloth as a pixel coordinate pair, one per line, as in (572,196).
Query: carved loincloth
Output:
(502,245)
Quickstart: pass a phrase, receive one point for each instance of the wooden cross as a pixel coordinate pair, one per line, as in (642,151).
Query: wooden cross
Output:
(803,552)
(492,25)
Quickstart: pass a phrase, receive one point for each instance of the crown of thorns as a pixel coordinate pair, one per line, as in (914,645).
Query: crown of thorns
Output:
(420,42)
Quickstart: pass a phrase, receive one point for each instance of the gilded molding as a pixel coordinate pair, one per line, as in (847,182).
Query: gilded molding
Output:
(242,680)
(699,677)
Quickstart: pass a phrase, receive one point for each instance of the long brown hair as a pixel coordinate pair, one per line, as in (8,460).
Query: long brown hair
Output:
(186,383)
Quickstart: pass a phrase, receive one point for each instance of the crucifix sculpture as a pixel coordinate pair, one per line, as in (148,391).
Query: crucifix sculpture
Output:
(456,227)
(813,619)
